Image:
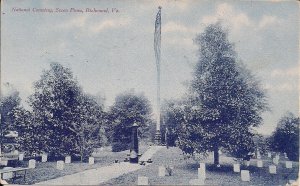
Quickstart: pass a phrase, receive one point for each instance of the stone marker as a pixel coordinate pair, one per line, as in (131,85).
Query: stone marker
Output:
(68,159)
(91,160)
(245,175)
(161,171)
(259,163)
(275,161)
(60,165)
(277,156)
(202,171)
(236,167)
(31,164)
(196,182)
(4,162)
(142,180)
(269,155)
(21,157)
(44,158)
(288,164)
(8,175)
(272,169)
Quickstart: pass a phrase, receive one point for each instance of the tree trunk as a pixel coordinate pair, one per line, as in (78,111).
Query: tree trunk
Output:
(216,155)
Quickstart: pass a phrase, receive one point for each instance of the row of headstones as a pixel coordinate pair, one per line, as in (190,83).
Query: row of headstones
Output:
(245,174)
(59,164)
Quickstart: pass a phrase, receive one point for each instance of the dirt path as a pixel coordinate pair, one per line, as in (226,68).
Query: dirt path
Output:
(102,174)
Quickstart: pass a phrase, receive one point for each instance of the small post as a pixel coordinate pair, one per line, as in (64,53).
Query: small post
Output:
(134,149)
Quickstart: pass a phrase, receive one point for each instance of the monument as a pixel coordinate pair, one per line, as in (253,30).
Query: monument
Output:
(134,148)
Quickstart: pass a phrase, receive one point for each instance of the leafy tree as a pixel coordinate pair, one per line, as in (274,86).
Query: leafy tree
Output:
(9,101)
(129,108)
(285,138)
(173,116)
(65,119)
(225,100)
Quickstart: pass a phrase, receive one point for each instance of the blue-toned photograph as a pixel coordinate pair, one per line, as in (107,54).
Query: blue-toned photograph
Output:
(139,92)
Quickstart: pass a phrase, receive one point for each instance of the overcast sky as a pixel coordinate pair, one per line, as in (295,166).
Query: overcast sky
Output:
(113,52)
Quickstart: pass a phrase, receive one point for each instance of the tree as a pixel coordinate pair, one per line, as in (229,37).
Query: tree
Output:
(65,119)
(129,108)
(173,116)
(9,101)
(285,138)
(225,100)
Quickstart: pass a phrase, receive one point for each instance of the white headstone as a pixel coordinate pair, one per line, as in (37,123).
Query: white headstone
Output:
(288,164)
(91,160)
(285,155)
(60,165)
(68,159)
(277,156)
(4,162)
(142,180)
(245,175)
(272,169)
(269,155)
(201,173)
(275,161)
(44,158)
(196,182)
(236,167)
(8,175)
(31,164)
(21,157)
(161,171)
(259,163)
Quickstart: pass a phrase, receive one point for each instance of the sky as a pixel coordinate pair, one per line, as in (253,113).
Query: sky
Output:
(112,51)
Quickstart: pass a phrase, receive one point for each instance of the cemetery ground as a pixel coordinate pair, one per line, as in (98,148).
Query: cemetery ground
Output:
(186,170)
(47,170)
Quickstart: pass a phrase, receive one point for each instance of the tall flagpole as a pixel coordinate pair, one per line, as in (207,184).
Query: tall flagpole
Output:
(157,43)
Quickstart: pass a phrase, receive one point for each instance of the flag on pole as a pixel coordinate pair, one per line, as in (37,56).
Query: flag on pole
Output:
(157,37)
(157,40)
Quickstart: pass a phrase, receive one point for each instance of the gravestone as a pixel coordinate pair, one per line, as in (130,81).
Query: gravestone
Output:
(31,164)
(60,165)
(91,160)
(44,158)
(272,169)
(285,155)
(161,171)
(236,167)
(8,175)
(4,162)
(275,161)
(201,173)
(21,157)
(245,175)
(277,156)
(142,180)
(196,182)
(288,164)
(68,159)
(259,163)
(269,155)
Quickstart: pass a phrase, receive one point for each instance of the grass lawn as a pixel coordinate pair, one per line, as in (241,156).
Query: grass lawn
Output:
(46,171)
(185,170)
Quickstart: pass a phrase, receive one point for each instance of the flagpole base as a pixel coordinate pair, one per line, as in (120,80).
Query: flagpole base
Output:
(157,138)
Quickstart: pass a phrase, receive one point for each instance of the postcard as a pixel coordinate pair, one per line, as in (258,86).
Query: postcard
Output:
(172,92)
